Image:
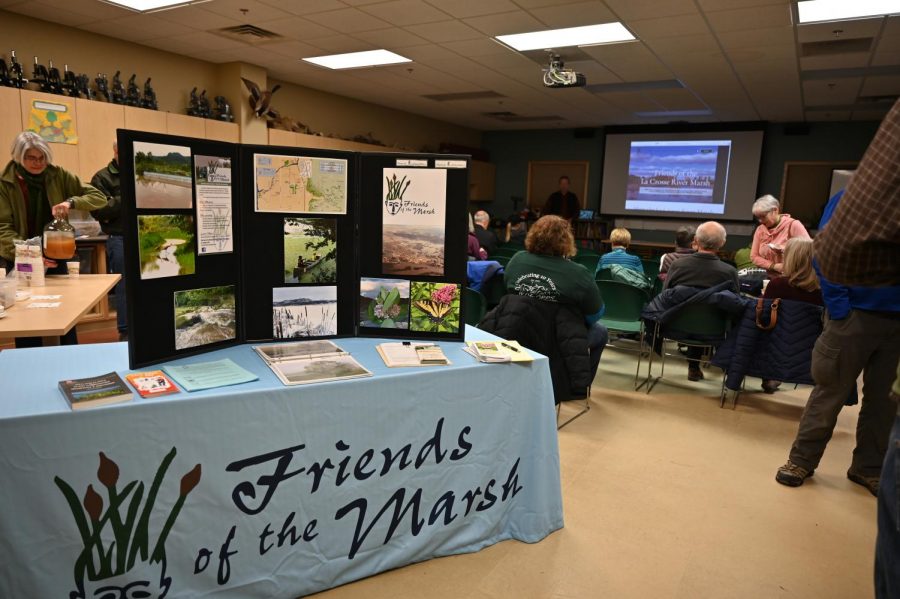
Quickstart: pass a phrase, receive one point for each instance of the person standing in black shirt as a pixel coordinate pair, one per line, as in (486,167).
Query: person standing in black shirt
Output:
(486,237)
(562,203)
(110,219)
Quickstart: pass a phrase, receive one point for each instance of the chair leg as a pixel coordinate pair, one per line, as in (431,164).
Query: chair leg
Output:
(584,410)
(637,370)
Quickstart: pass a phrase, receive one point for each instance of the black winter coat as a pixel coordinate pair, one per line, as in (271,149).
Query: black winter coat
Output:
(666,305)
(782,354)
(556,330)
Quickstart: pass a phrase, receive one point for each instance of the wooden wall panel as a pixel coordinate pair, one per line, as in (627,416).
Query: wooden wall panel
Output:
(141,119)
(64,155)
(97,124)
(184,125)
(222,131)
(10,120)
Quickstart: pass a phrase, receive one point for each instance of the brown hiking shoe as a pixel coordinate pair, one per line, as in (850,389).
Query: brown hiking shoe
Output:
(869,482)
(792,475)
(695,374)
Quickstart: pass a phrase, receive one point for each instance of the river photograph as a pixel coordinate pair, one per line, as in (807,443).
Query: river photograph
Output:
(167,245)
(204,316)
(162,176)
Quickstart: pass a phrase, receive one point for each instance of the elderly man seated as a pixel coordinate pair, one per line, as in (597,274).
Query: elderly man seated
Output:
(702,269)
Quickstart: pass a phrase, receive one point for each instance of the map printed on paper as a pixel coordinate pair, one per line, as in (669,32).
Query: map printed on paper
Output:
(300,184)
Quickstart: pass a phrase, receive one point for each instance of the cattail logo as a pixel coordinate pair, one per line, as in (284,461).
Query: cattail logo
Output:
(396,189)
(125,514)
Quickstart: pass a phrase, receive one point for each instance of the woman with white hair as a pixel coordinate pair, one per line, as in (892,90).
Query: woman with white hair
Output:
(773,232)
(32,192)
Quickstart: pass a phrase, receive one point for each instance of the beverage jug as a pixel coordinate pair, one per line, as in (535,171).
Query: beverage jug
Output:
(59,239)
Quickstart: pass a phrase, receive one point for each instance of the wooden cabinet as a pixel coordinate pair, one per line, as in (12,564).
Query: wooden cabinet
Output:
(10,120)
(184,125)
(222,131)
(141,119)
(482,177)
(97,124)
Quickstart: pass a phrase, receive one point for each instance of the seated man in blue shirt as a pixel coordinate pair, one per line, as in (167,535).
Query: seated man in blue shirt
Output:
(861,335)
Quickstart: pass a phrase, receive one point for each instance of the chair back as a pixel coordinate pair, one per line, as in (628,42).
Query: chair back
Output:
(604,274)
(474,306)
(622,301)
(504,251)
(651,267)
(503,260)
(698,321)
(589,261)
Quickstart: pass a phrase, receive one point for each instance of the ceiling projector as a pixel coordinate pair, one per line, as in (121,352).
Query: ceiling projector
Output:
(557,75)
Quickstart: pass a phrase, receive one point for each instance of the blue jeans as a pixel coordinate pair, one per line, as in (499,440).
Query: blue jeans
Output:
(597,336)
(887,547)
(115,263)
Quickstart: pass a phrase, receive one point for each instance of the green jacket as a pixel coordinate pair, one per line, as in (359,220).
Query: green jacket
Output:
(110,216)
(61,185)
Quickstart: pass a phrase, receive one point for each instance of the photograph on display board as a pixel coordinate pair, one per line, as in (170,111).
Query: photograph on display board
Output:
(204,316)
(162,176)
(304,312)
(434,307)
(300,184)
(384,303)
(310,250)
(413,221)
(166,244)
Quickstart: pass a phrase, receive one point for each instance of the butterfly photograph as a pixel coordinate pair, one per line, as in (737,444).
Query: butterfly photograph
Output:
(434,307)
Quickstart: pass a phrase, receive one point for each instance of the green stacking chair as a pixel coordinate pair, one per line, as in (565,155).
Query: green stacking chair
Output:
(651,267)
(587,260)
(604,274)
(505,252)
(624,303)
(474,306)
(503,260)
(691,321)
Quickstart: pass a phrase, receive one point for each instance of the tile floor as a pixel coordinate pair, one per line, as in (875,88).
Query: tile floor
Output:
(668,496)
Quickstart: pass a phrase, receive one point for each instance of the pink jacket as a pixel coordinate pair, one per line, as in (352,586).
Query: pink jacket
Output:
(765,257)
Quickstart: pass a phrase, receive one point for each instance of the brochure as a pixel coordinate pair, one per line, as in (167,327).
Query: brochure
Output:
(209,375)
(95,391)
(406,354)
(497,351)
(152,383)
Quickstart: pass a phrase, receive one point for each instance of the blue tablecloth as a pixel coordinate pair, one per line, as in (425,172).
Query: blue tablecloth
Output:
(262,490)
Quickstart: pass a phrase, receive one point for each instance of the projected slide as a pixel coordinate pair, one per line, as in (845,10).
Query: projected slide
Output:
(678,176)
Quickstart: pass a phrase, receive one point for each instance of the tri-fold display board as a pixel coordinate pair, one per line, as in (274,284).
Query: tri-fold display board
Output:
(229,243)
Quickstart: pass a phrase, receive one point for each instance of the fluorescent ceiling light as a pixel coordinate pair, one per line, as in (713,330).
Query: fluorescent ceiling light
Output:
(151,5)
(814,11)
(353,60)
(588,35)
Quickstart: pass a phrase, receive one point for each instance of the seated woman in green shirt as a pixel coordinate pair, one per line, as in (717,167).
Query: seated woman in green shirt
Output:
(544,271)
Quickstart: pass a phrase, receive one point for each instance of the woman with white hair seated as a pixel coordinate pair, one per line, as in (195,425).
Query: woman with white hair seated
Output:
(32,192)
(773,232)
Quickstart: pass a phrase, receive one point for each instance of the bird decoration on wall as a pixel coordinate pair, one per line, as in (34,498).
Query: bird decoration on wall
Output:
(261,100)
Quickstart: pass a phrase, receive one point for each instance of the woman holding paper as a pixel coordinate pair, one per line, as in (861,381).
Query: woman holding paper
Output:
(773,232)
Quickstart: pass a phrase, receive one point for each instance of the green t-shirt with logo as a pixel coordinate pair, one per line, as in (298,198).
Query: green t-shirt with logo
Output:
(553,279)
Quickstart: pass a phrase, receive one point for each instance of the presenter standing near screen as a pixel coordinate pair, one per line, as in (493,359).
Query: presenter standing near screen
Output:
(772,234)
(562,203)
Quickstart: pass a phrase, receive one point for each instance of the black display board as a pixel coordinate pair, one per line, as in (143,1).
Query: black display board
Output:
(322,244)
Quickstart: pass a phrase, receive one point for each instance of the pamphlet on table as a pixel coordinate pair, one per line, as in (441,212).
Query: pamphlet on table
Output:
(406,353)
(495,352)
(95,391)
(152,383)
(209,375)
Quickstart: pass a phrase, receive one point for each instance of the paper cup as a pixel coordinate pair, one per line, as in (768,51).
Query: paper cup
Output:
(74,269)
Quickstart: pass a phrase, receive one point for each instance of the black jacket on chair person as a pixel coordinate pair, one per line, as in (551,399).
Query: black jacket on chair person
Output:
(556,330)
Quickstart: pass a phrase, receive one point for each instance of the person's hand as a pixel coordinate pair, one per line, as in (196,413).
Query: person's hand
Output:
(61,210)
(50,263)
(778,267)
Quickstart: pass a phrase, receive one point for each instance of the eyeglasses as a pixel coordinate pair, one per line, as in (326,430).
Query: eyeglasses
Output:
(39,159)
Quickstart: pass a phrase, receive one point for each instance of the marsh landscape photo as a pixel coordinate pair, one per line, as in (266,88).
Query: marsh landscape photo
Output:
(167,245)
(310,250)
(204,316)
(162,176)
(304,312)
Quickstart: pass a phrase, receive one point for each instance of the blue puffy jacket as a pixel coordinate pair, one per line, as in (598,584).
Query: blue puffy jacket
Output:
(782,354)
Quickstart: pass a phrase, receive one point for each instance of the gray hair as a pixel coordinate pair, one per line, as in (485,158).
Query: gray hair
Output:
(482,217)
(28,140)
(710,236)
(765,204)
(471,224)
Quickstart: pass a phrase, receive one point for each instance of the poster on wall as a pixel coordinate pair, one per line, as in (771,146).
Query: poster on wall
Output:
(300,184)
(53,121)
(166,245)
(413,217)
(204,316)
(212,179)
(310,250)
(162,176)
(304,312)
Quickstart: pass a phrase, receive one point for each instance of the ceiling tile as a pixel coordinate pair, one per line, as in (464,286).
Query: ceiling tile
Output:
(348,20)
(631,61)
(339,44)
(868,115)
(391,39)
(710,5)
(445,31)
(675,99)
(255,10)
(831,93)
(881,86)
(406,12)
(758,17)
(826,32)
(594,72)
(650,9)
(675,26)
(754,38)
(200,40)
(632,101)
(473,8)
(818,115)
(306,7)
(506,23)
(837,61)
(292,49)
(483,47)
(197,18)
(429,52)
(886,58)
(573,15)
(50,13)
(674,47)
(297,28)
(96,10)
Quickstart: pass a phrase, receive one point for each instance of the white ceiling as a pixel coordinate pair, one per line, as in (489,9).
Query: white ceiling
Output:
(738,59)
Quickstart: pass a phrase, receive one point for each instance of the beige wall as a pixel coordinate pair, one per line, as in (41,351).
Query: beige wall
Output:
(175,75)
(347,117)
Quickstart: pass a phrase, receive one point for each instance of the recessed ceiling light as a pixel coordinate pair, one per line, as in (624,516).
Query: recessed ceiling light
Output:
(151,5)
(814,11)
(353,60)
(588,35)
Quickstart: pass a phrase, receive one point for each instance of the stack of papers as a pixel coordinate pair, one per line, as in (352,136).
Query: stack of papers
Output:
(407,353)
(495,352)
(209,375)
